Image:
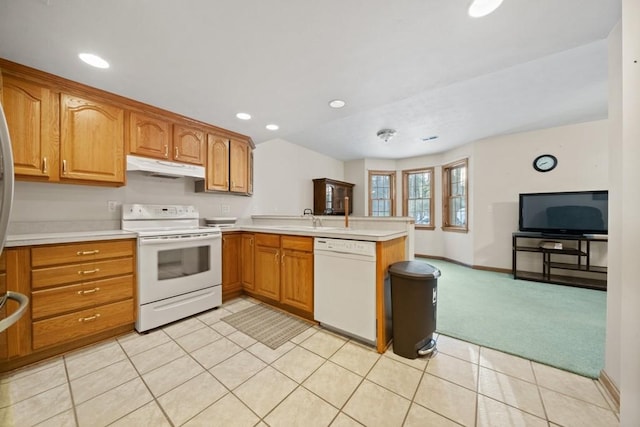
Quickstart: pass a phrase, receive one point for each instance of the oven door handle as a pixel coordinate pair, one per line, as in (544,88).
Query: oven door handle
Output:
(165,240)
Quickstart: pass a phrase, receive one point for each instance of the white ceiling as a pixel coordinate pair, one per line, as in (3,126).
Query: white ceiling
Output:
(422,67)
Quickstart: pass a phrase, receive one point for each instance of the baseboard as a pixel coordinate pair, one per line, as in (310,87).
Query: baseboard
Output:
(475,267)
(611,389)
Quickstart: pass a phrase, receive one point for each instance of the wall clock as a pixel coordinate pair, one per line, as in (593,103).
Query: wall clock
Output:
(545,163)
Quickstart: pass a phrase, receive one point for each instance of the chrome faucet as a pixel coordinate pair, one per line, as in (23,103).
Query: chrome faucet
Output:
(307,211)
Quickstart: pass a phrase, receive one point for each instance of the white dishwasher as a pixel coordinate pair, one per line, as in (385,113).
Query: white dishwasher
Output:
(345,286)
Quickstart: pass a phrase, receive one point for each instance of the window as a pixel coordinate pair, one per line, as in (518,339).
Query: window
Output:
(417,196)
(455,212)
(381,193)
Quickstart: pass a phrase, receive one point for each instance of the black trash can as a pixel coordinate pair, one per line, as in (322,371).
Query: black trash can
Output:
(414,292)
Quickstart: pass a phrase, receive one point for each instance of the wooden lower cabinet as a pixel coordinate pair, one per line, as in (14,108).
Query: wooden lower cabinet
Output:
(297,277)
(78,324)
(284,271)
(231,265)
(79,293)
(267,266)
(248,262)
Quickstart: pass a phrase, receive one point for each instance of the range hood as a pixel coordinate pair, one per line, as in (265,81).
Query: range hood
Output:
(163,168)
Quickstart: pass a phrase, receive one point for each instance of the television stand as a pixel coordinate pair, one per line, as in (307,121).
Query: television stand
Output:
(578,246)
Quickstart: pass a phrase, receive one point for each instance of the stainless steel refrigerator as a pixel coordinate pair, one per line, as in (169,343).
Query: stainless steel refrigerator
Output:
(6,199)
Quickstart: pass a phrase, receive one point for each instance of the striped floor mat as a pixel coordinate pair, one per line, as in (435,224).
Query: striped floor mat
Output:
(271,327)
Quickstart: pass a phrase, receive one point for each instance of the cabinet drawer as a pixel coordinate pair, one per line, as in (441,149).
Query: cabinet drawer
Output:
(271,240)
(76,273)
(64,299)
(297,243)
(61,329)
(81,252)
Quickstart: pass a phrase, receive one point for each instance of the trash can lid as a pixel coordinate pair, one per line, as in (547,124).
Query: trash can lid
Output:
(414,269)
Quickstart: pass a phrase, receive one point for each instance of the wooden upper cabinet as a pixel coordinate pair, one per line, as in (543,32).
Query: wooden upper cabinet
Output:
(149,136)
(91,140)
(32,117)
(217,163)
(239,157)
(188,144)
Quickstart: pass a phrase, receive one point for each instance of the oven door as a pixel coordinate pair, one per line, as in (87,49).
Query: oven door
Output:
(174,265)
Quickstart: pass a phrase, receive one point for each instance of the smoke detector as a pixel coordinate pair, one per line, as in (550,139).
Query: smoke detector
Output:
(386,134)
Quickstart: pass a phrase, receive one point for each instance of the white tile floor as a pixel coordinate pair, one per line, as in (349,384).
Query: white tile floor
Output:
(202,372)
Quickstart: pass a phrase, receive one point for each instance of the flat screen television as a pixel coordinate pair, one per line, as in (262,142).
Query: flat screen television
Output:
(570,212)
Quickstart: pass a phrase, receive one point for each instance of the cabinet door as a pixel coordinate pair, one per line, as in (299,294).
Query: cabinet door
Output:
(217,163)
(32,117)
(91,140)
(231,281)
(297,279)
(149,136)
(238,166)
(267,272)
(248,262)
(188,145)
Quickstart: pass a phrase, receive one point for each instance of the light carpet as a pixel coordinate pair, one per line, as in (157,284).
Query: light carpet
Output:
(266,325)
(555,325)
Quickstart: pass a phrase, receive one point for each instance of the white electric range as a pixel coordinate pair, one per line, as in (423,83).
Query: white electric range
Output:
(179,263)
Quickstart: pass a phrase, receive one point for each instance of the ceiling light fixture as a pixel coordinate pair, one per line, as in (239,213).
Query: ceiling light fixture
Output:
(272,126)
(93,60)
(243,116)
(337,103)
(386,134)
(480,8)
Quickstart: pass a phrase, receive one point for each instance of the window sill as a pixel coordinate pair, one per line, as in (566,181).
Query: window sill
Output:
(425,227)
(456,229)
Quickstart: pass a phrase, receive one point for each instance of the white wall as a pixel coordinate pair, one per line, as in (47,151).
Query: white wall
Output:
(614,273)
(502,168)
(355,173)
(630,227)
(283,177)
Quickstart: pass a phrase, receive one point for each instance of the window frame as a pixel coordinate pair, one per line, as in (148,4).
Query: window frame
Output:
(446,196)
(405,196)
(392,190)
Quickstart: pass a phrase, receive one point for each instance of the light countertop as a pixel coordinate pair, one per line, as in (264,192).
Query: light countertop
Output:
(66,237)
(330,232)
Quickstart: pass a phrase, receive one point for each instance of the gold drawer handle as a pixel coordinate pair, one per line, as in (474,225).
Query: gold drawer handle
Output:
(177,153)
(89,271)
(88,291)
(93,252)
(89,319)
(45,170)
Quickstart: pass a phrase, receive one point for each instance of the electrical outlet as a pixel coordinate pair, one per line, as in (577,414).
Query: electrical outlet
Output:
(225,208)
(112,205)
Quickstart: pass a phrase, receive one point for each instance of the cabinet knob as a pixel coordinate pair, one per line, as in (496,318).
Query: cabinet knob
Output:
(44,165)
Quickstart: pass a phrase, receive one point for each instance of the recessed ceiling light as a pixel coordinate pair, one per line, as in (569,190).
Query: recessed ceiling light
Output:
(272,126)
(337,103)
(480,8)
(243,116)
(93,60)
